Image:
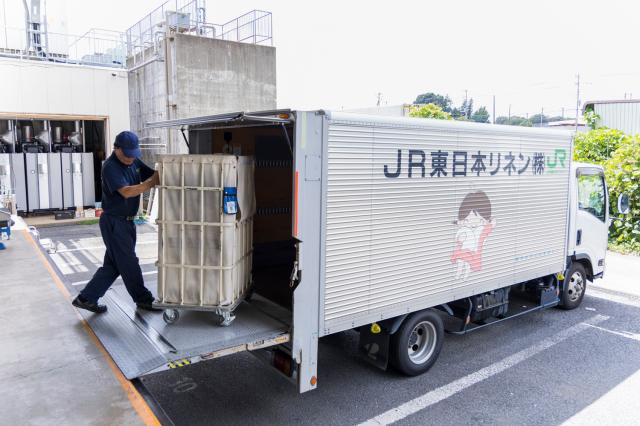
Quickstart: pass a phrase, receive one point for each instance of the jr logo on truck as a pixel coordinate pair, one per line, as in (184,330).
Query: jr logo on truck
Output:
(474,223)
(475,163)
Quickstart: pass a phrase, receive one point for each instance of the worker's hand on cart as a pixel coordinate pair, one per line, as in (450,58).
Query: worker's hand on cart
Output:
(155,179)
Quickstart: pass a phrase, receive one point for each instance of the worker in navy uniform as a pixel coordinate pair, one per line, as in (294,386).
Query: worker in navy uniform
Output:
(124,178)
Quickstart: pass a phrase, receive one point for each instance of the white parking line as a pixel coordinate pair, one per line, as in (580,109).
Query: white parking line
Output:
(619,406)
(628,335)
(100,247)
(625,299)
(446,391)
(86,281)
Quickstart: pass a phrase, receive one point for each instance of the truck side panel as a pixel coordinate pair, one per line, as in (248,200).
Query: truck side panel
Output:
(421,213)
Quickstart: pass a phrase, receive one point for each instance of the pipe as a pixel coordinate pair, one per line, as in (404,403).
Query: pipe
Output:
(145,63)
(57,134)
(27,20)
(27,134)
(75,138)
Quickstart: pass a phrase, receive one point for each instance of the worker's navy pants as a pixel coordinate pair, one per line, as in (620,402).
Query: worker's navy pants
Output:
(119,236)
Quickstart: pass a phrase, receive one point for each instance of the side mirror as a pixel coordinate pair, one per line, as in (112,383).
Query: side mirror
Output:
(623,204)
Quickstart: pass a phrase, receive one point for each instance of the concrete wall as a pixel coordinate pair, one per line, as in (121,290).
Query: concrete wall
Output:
(205,77)
(216,76)
(36,87)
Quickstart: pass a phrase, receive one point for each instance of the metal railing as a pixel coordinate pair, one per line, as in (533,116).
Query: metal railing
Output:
(144,38)
(96,47)
(142,41)
(252,27)
(179,15)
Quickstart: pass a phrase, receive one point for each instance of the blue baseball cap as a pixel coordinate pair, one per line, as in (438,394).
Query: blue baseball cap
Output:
(128,142)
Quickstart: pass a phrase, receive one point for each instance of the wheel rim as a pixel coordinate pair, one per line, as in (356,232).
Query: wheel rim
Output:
(575,287)
(422,342)
(171,315)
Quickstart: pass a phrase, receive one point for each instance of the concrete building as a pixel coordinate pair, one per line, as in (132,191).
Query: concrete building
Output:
(74,94)
(568,124)
(197,69)
(621,114)
(59,91)
(64,99)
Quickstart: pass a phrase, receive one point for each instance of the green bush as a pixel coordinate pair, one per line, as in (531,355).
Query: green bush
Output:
(597,146)
(622,173)
(619,154)
(429,111)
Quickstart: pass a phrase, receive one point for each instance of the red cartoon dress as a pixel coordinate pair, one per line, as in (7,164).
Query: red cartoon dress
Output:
(472,257)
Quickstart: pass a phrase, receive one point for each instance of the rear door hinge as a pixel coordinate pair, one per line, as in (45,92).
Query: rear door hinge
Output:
(295,275)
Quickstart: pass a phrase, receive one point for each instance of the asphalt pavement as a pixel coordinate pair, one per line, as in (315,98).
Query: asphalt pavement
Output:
(548,367)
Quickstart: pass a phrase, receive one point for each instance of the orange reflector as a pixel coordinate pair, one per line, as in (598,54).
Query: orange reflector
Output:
(313,381)
(284,116)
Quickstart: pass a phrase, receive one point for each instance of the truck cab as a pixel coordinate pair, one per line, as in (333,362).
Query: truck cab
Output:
(589,221)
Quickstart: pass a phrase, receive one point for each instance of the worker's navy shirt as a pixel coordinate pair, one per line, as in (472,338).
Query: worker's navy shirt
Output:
(116,175)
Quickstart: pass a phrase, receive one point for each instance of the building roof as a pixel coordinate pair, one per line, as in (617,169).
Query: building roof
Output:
(565,123)
(611,101)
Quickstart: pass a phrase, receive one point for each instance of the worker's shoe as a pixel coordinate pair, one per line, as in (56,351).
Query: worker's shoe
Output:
(82,303)
(148,306)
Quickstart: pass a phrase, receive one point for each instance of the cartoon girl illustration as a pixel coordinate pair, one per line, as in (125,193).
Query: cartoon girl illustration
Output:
(474,226)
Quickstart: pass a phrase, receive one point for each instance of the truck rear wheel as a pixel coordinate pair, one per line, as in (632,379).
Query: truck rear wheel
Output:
(574,287)
(416,345)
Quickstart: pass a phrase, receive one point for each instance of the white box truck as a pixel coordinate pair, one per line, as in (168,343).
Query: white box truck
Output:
(399,228)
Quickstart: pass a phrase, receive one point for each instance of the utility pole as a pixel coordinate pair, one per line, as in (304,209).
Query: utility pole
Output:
(577,99)
(509,121)
(493,115)
(379,99)
(563,113)
(541,115)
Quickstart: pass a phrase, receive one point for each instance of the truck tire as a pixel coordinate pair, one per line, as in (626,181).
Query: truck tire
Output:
(575,285)
(417,343)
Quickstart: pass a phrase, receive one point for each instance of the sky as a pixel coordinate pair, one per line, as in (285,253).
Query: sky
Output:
(341,54)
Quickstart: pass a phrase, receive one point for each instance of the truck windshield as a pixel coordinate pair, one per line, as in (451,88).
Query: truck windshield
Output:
(591,197)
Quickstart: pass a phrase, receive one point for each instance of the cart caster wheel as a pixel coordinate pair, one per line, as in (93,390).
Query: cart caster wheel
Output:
(226,318)
(170,315)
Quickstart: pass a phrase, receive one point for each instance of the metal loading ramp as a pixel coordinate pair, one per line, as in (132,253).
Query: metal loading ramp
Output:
(140,342)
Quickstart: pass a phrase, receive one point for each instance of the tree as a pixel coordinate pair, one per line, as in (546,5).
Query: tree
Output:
(539,119)
(444,102)
(469,111)
(457,113)
(481,115)
(619,154)
(430,111)
(598,145)
(592,119)
(622,172)
(513,121)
